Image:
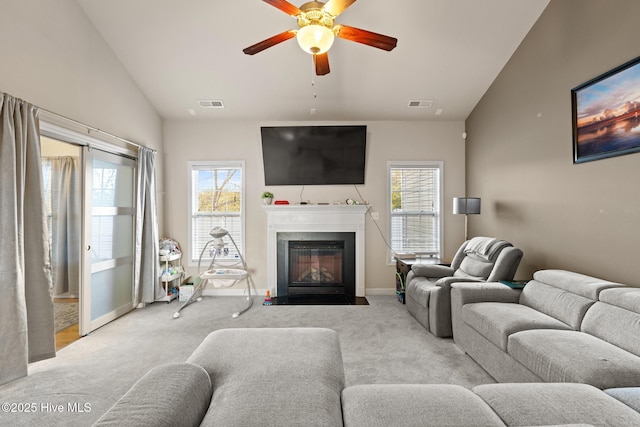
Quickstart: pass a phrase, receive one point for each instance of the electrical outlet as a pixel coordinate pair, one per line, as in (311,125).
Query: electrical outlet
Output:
(375,215)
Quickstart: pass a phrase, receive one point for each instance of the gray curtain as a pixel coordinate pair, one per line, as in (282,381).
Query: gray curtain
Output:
(146,280)
(26,304)
(66,224)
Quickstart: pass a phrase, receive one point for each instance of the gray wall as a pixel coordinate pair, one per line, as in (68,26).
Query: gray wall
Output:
(583,217)
(240,140)
(54,58)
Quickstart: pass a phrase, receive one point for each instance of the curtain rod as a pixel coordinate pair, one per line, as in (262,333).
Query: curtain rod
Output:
(94,129)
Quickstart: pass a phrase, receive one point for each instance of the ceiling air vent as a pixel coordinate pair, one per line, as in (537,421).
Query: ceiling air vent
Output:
(422,103)
(211,103)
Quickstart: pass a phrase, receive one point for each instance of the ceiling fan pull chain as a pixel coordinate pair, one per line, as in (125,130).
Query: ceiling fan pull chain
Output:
(313,80)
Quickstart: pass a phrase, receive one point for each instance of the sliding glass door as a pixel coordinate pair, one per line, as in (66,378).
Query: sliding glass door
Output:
(108,238)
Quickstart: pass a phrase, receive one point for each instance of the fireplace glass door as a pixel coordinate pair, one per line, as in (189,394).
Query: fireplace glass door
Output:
(315,263)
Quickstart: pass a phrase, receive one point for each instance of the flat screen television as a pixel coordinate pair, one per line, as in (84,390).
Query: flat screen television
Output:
(314,155)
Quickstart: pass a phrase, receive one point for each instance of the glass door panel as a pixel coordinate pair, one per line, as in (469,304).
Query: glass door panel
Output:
(110,289)
(110,232)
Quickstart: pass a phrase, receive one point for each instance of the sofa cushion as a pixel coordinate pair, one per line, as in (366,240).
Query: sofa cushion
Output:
(576,283)
(572,356)
(615,325)
(616,318)
(273,376)
(627,298)
(496,321)
(565,306)
(414,405)
(474,267)
(537,404)
(630,396)
(167,395)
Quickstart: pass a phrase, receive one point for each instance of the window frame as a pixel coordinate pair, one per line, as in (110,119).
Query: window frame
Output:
(398,164)
(191,258)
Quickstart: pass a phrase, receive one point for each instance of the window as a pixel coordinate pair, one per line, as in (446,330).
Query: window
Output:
(216,194)
(414,202)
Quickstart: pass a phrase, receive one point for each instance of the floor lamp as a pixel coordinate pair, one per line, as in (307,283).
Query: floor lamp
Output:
(466,206)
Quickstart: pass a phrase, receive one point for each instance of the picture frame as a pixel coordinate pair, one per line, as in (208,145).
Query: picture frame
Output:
(606,114)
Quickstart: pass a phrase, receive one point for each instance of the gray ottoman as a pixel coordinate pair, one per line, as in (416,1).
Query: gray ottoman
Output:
(273,377)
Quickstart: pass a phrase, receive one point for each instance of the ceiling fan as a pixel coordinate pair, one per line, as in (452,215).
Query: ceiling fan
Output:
(317,32)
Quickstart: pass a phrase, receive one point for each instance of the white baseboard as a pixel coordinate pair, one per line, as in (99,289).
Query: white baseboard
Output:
(230,292)
(239,291)
(381,291)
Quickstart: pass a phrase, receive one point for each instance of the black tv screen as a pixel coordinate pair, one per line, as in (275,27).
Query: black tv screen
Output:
(314,155)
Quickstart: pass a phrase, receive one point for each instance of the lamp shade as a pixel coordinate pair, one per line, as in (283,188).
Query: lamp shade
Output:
(466,205)
(315,39)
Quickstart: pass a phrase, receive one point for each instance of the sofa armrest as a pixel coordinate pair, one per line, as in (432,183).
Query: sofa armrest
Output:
(431,270)
(446,282)
(167,395)
(467,293)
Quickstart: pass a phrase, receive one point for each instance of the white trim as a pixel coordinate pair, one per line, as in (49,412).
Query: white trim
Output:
(315,218)
(381,291)
(408,164)
(51,117)
(210,291)
(74,137)
(212,164)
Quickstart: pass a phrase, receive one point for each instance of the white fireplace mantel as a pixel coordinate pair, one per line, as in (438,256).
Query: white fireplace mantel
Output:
(315,218)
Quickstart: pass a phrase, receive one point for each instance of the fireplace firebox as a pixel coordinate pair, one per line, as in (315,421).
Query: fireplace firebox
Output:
(316,263)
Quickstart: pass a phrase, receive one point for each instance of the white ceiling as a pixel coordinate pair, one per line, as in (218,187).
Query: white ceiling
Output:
(182,51)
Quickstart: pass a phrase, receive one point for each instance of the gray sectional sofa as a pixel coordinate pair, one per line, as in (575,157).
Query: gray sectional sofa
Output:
(562,327)
(295,377)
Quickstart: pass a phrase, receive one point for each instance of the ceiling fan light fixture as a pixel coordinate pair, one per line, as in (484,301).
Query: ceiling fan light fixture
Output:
(315,39)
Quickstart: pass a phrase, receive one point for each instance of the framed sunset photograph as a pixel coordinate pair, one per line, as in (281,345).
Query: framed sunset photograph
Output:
(606,114)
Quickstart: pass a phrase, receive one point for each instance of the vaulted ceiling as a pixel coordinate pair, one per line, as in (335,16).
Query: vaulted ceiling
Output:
(181,52)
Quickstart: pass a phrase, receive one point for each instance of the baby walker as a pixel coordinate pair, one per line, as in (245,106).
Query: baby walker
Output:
(220,276)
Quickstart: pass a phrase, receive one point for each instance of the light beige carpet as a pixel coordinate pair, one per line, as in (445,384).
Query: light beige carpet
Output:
(381,343)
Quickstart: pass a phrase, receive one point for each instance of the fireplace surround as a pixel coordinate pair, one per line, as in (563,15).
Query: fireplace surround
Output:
(293,219)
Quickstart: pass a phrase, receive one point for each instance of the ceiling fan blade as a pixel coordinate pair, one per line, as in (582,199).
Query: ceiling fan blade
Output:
(336,7)
(285,6)
(270,42)
(322,64)
(365,37)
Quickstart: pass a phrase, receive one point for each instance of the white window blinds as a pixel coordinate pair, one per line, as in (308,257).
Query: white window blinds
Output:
(414,194)
(216,200)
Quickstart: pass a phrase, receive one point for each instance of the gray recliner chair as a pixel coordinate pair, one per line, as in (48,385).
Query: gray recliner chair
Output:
(428,287)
